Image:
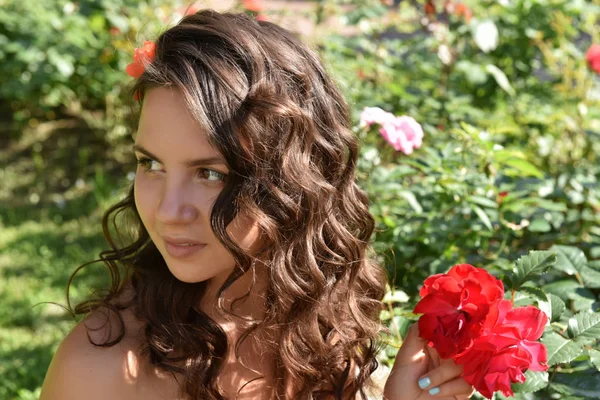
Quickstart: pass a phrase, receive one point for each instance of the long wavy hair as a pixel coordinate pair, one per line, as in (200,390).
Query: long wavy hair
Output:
(280,122)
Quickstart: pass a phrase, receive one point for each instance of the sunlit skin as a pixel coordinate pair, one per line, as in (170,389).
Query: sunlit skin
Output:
(174,195)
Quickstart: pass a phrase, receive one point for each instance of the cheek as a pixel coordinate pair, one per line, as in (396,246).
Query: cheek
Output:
(143,197)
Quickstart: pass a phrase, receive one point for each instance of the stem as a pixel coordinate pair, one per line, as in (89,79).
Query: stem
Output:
(394,325)
(579,279)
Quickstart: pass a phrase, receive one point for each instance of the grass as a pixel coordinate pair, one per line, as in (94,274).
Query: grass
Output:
(50,223)
(37,258)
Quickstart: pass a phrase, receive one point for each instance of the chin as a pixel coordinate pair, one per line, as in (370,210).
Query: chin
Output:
(187,274)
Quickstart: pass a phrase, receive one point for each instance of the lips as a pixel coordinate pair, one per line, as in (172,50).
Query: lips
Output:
(180,240)
(182,247)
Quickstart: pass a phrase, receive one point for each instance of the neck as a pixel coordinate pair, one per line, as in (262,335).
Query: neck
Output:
(252,298)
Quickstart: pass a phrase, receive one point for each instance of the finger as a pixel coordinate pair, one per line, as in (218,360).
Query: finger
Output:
(412,350)
(434,356)
(445,372)
(410,363)
(457,387)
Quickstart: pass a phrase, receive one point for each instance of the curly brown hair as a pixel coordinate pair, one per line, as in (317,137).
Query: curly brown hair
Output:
(283,127)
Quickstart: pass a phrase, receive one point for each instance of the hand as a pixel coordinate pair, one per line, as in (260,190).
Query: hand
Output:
(416,363)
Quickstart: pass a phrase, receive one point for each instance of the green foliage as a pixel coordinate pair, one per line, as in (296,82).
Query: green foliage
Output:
(535,381)
(508,176)
(67,58)
(529,267)
(583,384)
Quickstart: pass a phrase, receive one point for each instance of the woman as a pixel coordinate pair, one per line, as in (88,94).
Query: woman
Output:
(243,240)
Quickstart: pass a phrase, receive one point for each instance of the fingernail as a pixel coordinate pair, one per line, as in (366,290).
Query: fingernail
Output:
(424,382)
(434,391)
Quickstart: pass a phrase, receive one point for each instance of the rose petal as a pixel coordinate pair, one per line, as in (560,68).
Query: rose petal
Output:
(134,69)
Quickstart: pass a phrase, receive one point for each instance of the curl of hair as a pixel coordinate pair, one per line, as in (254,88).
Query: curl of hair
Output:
(269,107)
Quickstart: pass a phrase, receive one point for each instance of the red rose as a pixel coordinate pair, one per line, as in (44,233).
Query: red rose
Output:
(593,57)
(506,351)
(458,307)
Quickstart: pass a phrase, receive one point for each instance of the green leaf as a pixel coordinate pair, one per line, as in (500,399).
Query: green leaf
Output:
(554,307)
(395,296)
(530,266)
(595,264)
(595,358)
(584,327)
(412,200)
(474,73)
(570,260)
(524,167)
(483,201)
(97,23)
(583,383)
(568,289)
(540,225)
(483,216)
(560,350)
(548,204)
(590,277)
(534,381)
(63,64)
(500,78)
(564,288)
(534,293)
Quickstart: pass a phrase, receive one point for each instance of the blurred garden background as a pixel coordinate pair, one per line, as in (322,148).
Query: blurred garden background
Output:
(507,93)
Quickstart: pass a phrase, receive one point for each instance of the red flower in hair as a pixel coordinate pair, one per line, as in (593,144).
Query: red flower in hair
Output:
(141,57)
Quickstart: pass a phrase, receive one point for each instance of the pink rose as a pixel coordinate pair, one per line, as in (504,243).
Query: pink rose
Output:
(374,115)
(403,133)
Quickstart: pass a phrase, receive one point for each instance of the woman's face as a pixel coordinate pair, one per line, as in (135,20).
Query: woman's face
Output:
(179,176)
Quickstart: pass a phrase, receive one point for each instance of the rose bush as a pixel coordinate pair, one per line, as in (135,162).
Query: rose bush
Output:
(509,103)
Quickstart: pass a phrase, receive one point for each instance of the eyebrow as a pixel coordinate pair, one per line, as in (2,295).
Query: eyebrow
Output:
(191,163)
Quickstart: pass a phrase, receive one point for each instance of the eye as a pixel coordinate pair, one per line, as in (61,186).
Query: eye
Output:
(148,164)
(211,175)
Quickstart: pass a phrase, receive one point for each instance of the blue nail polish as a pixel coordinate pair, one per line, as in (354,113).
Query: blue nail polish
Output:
(424,382)
(434,391)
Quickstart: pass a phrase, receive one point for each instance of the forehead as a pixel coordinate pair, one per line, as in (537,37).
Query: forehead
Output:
(165,124)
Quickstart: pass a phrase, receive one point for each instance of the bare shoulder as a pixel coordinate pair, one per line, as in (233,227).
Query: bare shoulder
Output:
(79,369)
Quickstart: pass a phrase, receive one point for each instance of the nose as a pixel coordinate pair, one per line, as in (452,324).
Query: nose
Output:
(175,205)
